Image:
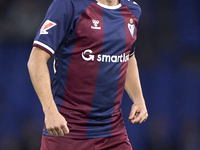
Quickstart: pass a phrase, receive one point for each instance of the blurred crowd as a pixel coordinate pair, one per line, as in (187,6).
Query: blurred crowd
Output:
(168,54)
(19,19)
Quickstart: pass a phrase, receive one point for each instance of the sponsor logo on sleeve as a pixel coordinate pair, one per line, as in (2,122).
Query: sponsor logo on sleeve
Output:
(46,26)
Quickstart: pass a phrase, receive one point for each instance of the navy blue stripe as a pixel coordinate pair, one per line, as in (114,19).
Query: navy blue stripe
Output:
(108,76)
(59,80)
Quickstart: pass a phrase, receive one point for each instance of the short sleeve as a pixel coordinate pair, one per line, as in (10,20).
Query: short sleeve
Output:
(135,9)
(54,26)
(132,50)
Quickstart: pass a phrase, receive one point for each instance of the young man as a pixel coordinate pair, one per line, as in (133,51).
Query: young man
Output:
(93,45)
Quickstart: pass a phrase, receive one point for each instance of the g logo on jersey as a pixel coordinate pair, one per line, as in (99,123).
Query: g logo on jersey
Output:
(90,57)
(46,26)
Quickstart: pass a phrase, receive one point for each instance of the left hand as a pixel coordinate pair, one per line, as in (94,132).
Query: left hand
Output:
(138,113)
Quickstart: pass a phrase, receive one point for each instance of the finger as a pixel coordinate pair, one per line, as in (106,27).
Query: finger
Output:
(144,118)
(137,113)
(59,131)
(137,119)
(65,129)
(50,132)
(54,132)
(132,113)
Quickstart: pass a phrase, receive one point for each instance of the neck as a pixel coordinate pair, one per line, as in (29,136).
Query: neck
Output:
(109,2)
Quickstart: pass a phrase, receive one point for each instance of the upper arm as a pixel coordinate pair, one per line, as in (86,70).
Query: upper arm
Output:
(38,56)
(132,71)
(132,63)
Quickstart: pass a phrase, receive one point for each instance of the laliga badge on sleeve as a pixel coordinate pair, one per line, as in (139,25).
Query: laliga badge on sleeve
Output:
(46,26)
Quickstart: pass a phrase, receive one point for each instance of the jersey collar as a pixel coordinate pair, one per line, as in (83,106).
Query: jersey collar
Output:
(109,7)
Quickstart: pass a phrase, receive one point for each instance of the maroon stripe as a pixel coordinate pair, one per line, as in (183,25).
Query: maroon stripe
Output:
(82,74)
(117,117)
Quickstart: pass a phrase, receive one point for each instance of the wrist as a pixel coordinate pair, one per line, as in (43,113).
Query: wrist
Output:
(140,101)
(50,109)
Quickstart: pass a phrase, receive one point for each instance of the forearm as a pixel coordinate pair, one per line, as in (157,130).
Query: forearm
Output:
(39,73)
(40,78)
(132,85)
(138,113)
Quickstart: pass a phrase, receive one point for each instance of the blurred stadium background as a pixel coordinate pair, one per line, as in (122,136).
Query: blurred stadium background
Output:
(168,53)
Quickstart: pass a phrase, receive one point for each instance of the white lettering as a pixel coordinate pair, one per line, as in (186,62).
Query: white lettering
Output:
(107,58)
(124,58)
(104,58)
(98,28)
(120,58)
(127,57)
(114,59)
(99,57)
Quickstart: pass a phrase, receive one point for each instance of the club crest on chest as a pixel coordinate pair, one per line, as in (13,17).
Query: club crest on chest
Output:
(131,27)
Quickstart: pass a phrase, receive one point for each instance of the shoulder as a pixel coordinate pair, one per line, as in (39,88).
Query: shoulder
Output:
(133,7)
(131,4)
(73,4)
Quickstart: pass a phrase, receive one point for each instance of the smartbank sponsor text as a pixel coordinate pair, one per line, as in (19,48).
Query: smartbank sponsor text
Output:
(88,56)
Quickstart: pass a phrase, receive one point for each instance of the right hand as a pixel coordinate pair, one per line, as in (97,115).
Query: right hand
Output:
(56,124)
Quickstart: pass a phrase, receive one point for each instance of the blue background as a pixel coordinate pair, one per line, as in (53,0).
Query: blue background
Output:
(168,57)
